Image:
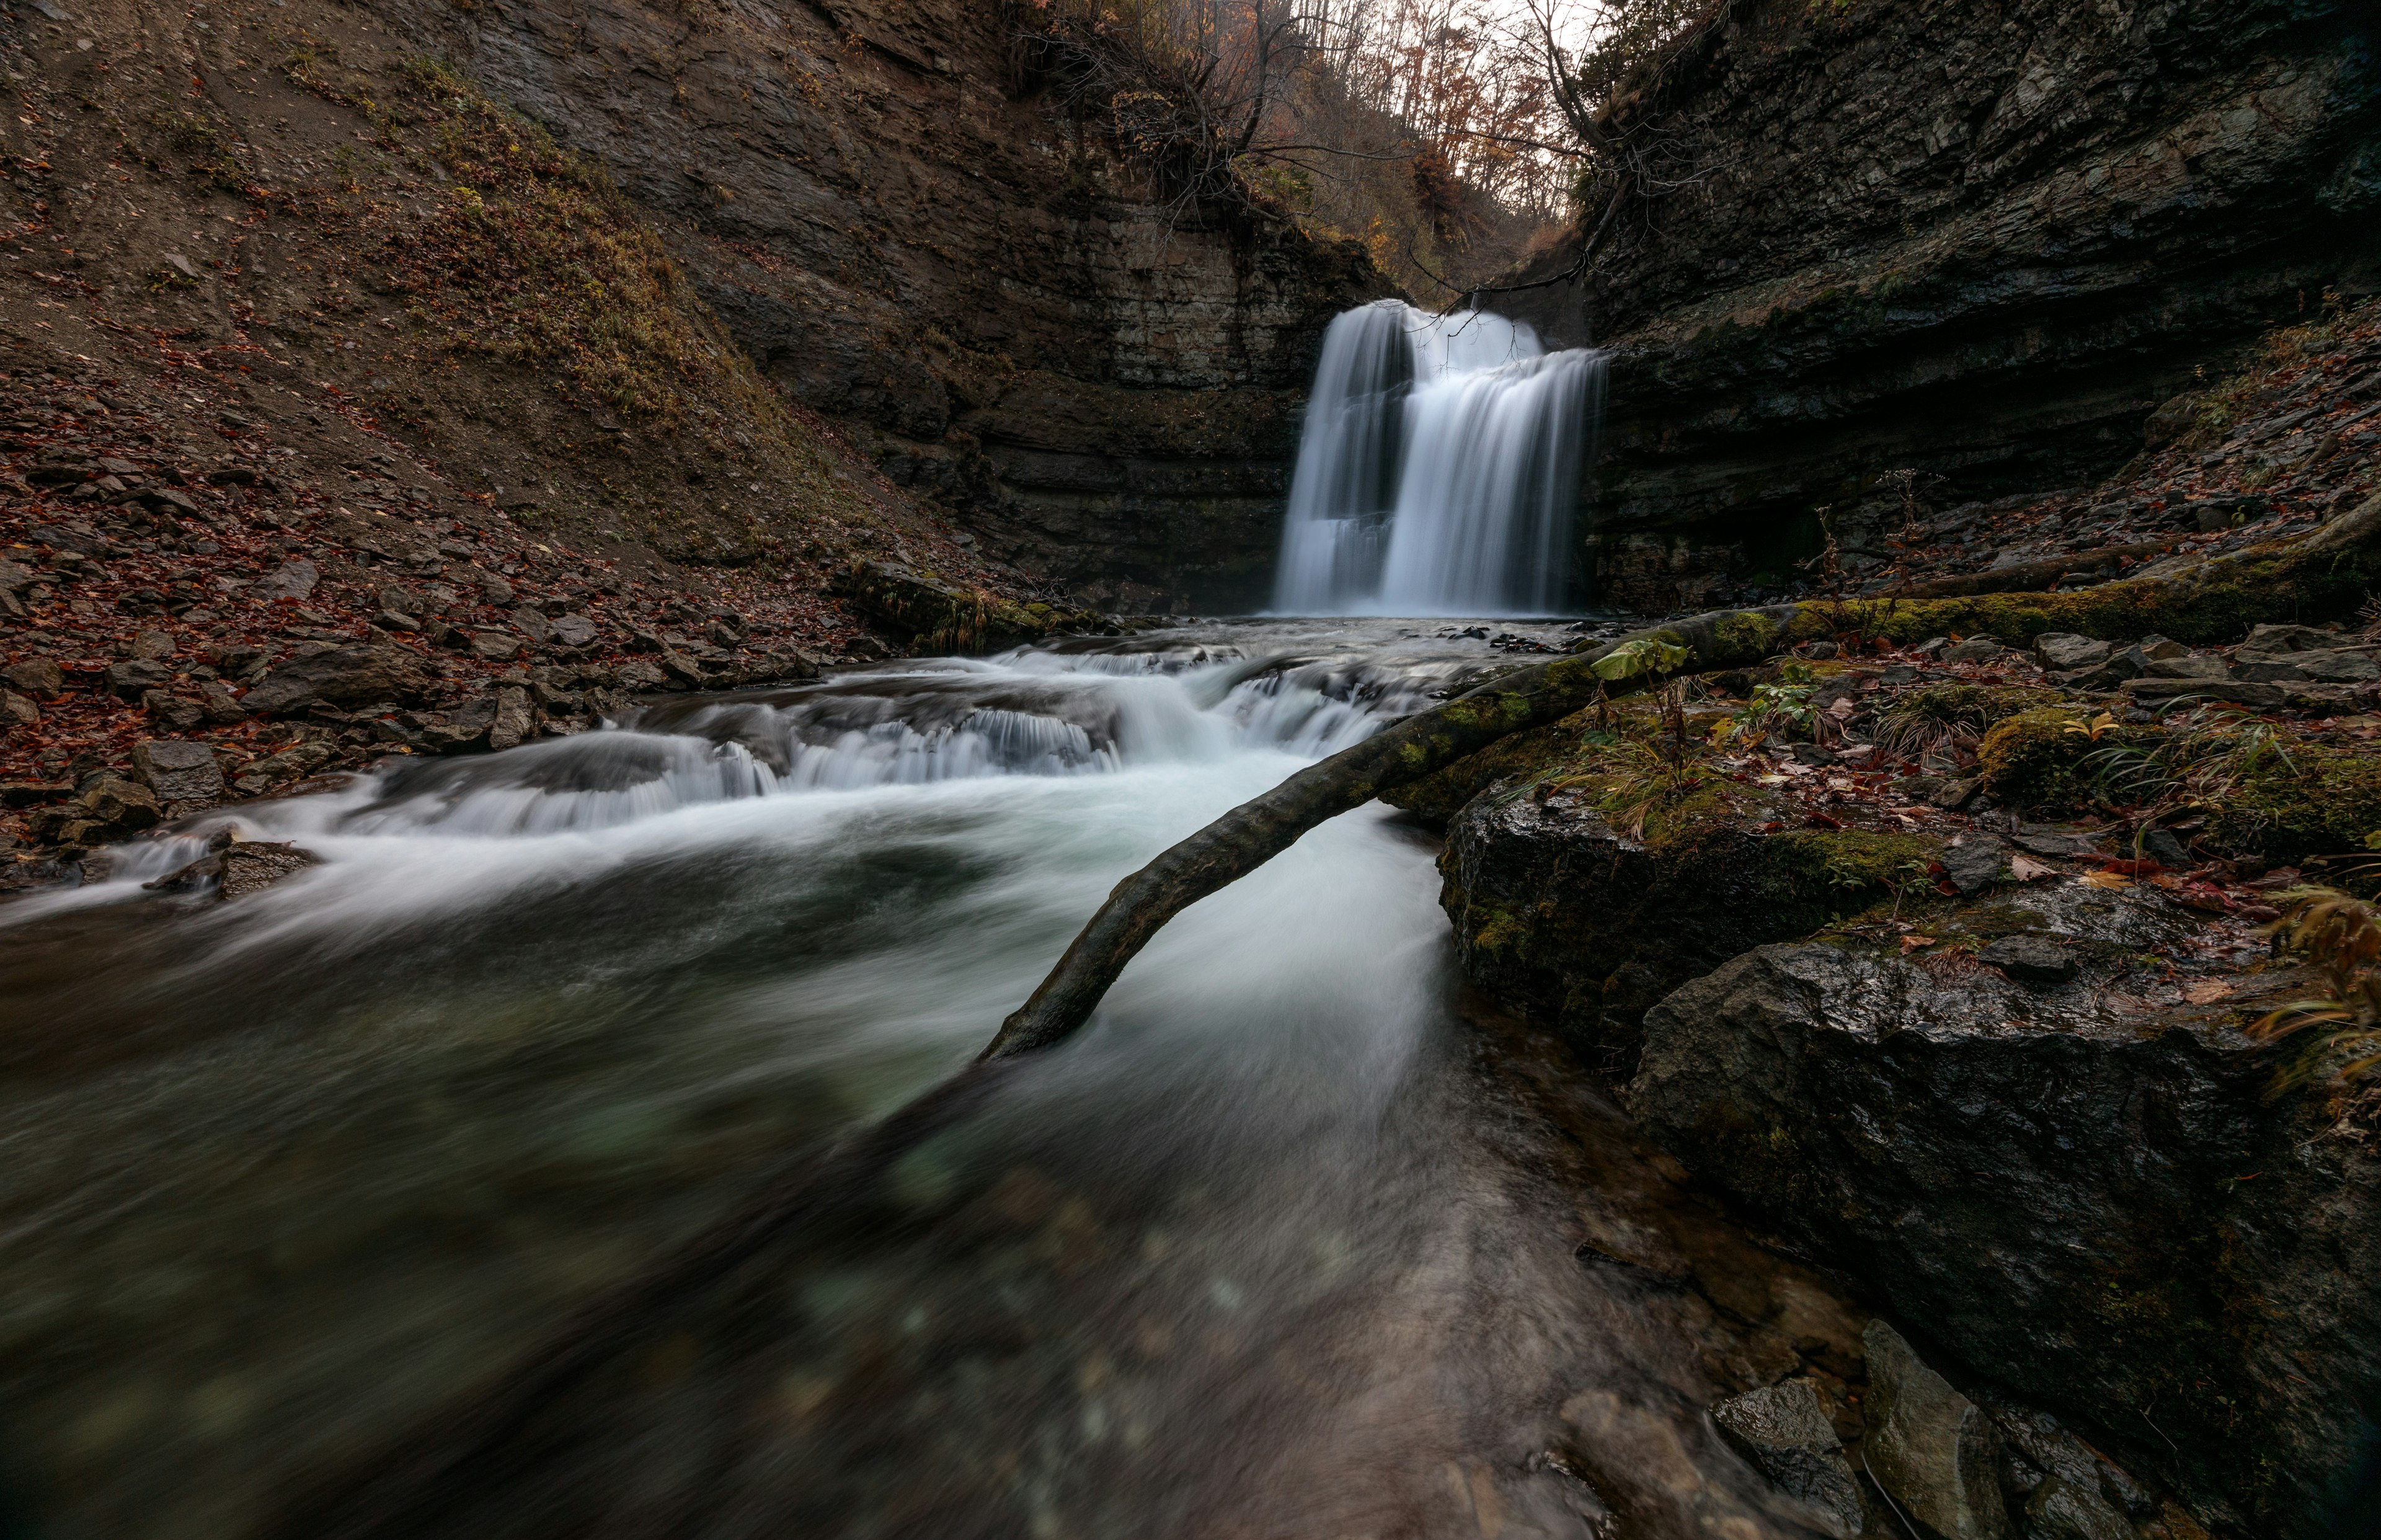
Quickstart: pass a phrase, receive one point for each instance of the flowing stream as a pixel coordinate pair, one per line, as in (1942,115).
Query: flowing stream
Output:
(1282,1245)
(1437,468)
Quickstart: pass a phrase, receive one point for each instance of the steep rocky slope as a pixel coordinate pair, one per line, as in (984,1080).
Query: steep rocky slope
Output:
(314,341)
(1976,242)
(900,227)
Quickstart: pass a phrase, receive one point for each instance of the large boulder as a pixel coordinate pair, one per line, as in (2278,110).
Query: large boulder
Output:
(350,676)
(1562,911)
(934,616)
(2087,1190)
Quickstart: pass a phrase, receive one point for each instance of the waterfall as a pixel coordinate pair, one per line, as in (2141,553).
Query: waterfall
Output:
(1437,468)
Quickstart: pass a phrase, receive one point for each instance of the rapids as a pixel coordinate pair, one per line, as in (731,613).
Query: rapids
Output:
(1282,1245)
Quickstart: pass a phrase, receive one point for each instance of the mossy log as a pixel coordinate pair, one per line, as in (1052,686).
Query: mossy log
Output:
(2322,575)
(2328,572)
(1253,833)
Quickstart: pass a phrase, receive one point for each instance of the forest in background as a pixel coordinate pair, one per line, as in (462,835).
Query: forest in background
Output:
(1454,138)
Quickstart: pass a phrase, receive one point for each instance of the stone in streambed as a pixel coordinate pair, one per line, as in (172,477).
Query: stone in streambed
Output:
(1975,863)
(350,677)
(1784,1432)
(1933,1451)
(2057,1512)
(512,719)
(2033,959)
(248,866)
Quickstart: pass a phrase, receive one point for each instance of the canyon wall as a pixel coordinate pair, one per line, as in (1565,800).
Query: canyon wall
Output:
(911,238)
(1977,239)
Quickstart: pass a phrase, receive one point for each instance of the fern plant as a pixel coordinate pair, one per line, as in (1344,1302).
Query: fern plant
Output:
(2341,936)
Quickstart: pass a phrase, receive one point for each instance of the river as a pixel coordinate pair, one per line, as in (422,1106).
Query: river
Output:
(1296,1239)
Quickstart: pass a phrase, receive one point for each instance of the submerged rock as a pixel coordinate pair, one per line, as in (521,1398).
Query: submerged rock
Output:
(250,866)
(1784,1431)
(2086,1189)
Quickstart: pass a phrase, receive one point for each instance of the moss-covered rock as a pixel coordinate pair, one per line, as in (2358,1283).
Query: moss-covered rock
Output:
(1581,903)
(2320,800)
(2036,758)
(938,617)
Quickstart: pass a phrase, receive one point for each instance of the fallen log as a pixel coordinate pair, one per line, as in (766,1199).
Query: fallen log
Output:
(2028,575)
(2330,571)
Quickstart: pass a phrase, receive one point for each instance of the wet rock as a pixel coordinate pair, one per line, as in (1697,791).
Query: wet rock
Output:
(175,714)
(40,677)
(2066,650)
(1783,1430)
(940,616)
(2097,1496)
(2029,958)
(350,676)
(1580,926)
(179,770)
(2161,845)
(1975,863)
(250,866)
(299,760)
(1932,1451)
(2057,1511)
(531,623)
(2089,1191)
(513,720)
(638,675)
(220,704)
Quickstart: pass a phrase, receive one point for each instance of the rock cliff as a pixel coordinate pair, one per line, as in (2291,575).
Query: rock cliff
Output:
(911,239)
(1976,239)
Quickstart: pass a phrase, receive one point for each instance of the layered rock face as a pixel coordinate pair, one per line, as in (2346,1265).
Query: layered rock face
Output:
(2084,1189)
(914,240)
(1976,239)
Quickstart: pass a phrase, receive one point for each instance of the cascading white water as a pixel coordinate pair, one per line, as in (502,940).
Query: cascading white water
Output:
(1437,468)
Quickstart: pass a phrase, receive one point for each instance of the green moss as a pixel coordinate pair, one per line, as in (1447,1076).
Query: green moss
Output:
(2281,581)
(2035,758)
(1748,636)
(1851,863)
(2323,801)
